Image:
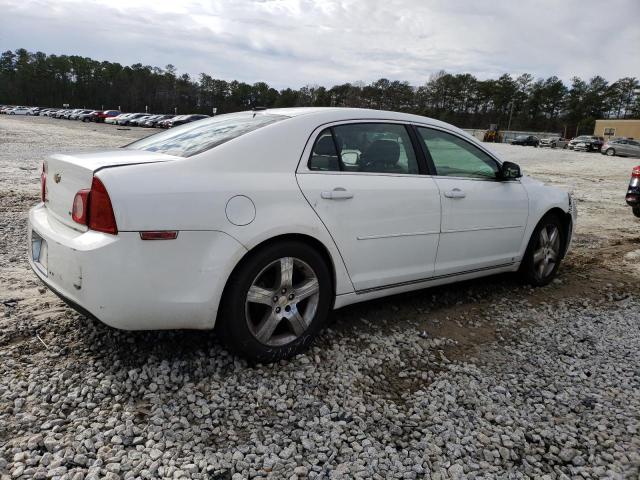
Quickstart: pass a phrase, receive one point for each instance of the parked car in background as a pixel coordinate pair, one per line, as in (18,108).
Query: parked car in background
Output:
(621,147)
(114,119)
(633,192)
(19,111)
(587,143)
(526,140)
(135,122)
(79,115)
(68,113)
(125,120)
(352,211)
(153,122)
(554,142)
(174,122)
(165,123)
(101,116)
(34,111)
(58,113)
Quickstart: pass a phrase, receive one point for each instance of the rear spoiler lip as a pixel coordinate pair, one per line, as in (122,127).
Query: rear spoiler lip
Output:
(127,165)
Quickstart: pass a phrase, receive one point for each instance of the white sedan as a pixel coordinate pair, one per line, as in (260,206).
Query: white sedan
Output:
(259,223)
(20,111)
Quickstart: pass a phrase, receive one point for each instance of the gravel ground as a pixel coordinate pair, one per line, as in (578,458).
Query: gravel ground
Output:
(485,379)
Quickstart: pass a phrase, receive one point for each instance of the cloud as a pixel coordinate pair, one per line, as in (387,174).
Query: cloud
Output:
(297,42)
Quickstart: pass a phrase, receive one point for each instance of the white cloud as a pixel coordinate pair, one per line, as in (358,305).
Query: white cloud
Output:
(295,42)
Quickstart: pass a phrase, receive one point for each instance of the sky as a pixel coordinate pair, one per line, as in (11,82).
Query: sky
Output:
(291,43)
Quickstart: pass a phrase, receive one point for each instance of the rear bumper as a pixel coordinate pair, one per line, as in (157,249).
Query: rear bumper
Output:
(132,284)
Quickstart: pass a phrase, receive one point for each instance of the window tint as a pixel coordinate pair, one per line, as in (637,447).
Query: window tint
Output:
(365,147)
(455,157)
(324,156)
(197,137)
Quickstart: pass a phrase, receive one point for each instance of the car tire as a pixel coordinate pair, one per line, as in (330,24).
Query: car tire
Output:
(265,314)
(610,152)
(636,211)
(544,252)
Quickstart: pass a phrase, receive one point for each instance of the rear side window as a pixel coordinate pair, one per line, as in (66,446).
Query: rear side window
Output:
(364,147)
(324,156)
(197,137)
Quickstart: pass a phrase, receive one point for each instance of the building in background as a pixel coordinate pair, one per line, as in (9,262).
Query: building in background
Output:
(617,128)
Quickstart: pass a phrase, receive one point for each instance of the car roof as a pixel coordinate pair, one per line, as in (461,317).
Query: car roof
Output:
(331,114)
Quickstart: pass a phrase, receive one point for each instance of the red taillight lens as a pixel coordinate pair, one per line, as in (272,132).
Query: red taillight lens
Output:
(636,172)
(100,211)
(80,204)
(93,208)
(43,183)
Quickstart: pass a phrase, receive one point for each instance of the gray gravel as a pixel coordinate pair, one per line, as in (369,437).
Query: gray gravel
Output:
(487,379)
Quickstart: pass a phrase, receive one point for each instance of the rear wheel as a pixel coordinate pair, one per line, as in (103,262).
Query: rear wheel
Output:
(276,302)
(610,152)
(544,252)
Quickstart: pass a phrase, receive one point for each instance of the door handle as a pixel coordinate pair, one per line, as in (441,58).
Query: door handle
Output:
(337,194)
(455,193)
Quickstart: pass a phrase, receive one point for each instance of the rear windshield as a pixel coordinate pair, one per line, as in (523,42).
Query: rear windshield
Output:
(197,137)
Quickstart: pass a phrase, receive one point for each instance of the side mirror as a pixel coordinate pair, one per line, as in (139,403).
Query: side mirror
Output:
(510,171)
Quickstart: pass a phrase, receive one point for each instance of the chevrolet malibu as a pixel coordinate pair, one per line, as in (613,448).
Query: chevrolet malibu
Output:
(259,223)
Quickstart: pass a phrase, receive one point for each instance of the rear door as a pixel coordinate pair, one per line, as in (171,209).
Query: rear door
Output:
(483,218)
(365,182)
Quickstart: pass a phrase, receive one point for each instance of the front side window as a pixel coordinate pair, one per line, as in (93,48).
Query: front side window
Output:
(454,157)
(197,137)
(364,147)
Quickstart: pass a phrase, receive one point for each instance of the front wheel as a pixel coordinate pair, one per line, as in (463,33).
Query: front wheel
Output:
(636,211)
(610,152)
(543,255)
(275,302)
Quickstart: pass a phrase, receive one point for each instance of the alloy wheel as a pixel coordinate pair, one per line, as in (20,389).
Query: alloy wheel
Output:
(282,301)
(547,252)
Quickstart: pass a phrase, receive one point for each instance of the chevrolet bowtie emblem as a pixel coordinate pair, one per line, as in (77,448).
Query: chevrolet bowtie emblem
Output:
(57,177)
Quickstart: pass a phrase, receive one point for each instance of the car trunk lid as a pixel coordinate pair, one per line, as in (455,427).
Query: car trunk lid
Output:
(67,174)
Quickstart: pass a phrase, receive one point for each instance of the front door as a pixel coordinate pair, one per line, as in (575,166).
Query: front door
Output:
(483,218)
(363,181)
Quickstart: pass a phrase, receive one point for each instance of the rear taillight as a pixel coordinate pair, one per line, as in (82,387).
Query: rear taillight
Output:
(43,183)
(635,173)
(93,208)
(101,217)
(80,204)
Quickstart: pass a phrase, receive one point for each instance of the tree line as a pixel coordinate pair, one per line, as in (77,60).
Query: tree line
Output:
(521,103)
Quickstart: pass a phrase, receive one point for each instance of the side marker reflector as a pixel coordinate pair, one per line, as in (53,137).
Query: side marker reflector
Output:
(159,235)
